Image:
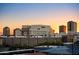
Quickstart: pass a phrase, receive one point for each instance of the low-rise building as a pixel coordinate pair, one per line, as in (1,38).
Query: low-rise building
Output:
(76,37)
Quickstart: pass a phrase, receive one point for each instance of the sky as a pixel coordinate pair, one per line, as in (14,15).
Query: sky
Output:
(53,14)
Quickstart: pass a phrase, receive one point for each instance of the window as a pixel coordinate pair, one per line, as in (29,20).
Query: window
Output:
(38,28)
(45,35)
(43,27)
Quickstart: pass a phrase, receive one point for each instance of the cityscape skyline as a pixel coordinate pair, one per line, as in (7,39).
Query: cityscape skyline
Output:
(16,15)
(71,27)
(39,29)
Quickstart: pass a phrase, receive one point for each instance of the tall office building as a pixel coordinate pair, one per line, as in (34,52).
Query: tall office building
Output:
(72,27)
(62,29)
(6,31)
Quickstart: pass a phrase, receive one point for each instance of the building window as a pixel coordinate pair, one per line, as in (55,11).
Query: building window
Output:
(38,28)
(43,27)
(45,35)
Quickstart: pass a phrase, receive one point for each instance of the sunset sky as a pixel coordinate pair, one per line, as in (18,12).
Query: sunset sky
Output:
(16,15)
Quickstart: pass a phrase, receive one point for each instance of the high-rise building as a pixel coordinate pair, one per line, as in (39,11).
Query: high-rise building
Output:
(62,29)
(72,27)
(6,31)
(17,32)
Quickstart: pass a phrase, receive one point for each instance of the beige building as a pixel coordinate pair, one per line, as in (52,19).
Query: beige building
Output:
(36,30)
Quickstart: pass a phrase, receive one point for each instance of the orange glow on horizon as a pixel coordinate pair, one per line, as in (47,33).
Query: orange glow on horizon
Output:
(53,21)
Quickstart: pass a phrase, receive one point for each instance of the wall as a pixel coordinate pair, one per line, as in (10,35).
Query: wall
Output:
(24,42)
